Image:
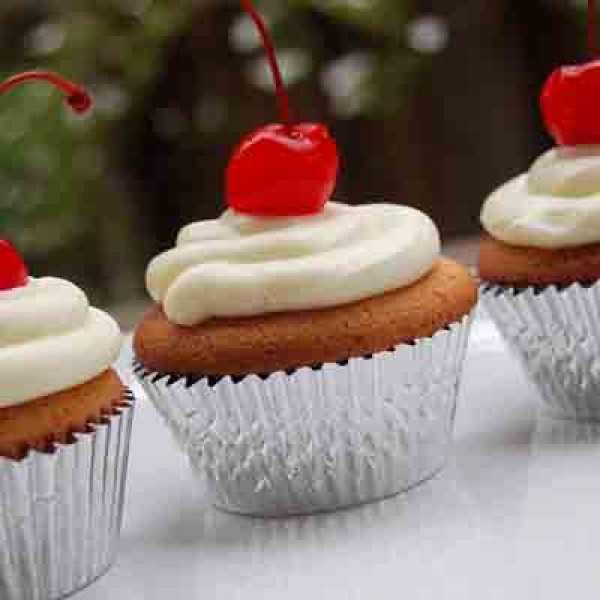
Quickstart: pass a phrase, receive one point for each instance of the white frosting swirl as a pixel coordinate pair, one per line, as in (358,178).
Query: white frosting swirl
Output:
(51,340)
(240,265)
(555,205)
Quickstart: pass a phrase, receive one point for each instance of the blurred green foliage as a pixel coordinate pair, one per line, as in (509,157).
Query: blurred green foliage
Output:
(378,71)
(54,166)
(37,176)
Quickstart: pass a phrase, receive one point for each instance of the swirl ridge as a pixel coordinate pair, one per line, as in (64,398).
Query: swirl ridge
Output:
(51,340)
(555,205)
(240,266)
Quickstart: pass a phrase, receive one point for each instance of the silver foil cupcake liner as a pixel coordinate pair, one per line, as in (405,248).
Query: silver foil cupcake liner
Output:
(321,437)
(61,512)
(556,334)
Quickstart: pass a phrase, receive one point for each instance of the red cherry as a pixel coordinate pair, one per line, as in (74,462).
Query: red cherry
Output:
(13,272)
(286,169)
(569,103)
(281,172)
(570,96)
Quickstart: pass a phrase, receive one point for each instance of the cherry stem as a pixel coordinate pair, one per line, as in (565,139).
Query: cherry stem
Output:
(77,98)
(283,98)
(592,31)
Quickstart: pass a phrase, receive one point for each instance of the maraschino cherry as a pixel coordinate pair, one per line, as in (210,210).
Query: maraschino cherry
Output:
(285,169)
(570,98)
(13,271)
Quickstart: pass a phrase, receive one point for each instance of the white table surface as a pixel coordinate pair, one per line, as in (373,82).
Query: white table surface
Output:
(515,515)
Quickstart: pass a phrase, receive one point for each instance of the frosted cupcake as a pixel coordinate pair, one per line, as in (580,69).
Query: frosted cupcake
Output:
(306,354)
(307,363)
(540,262)
(65,420)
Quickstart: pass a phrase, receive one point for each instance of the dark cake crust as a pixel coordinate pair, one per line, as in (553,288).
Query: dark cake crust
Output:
(520,266)
(41,423)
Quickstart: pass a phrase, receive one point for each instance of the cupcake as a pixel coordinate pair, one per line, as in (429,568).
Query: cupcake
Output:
(306,354)
(540,260)
(65,421)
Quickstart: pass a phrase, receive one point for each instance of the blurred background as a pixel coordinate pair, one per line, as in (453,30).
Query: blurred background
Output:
(432,102)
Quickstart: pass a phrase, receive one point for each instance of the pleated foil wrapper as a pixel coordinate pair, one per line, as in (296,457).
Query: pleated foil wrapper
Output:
(61,512)
(556,334)
(318,438)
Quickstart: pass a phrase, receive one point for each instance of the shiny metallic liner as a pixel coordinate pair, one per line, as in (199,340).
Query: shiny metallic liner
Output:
(322,437)
(555,331)
(61,512)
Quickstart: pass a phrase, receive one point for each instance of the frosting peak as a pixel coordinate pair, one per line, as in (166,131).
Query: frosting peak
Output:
(241,265)
(555,205)
(51,340)
(568,171)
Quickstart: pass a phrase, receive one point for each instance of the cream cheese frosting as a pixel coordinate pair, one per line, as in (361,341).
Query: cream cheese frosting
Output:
(240,265)
(51,340)
(555,205)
